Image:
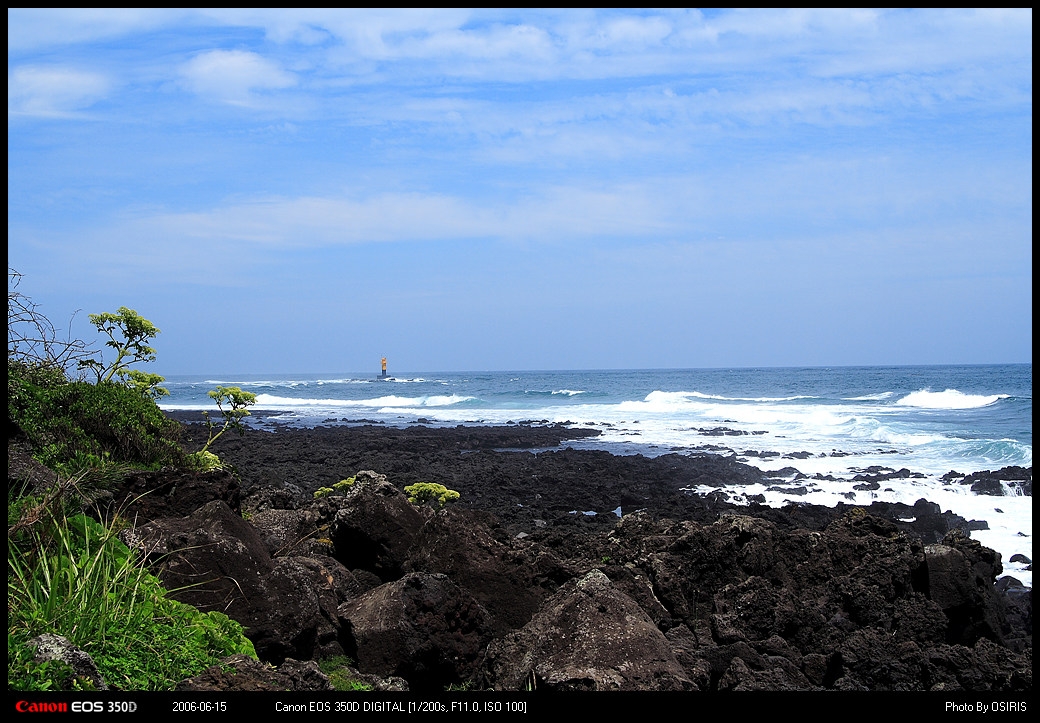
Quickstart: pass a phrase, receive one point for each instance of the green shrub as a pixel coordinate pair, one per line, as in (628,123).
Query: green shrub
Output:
(340,487)
(236,401)
(75,424)
(204,461)
(436,495)
(67,574)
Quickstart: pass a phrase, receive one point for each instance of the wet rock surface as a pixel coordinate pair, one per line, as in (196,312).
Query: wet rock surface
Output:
(517,586)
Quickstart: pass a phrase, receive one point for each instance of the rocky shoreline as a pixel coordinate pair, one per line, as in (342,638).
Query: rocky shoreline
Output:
(569,570)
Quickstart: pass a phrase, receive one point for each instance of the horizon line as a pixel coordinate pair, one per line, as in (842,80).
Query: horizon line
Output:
(377,374)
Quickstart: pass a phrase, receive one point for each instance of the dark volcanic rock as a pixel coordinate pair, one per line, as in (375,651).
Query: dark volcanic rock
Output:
(1018,610)
(151,495)
(217,561)
(240,673)
(961,577)
(24,472)
(588,636)
(1008,480)
(375,526)
(511,484)
(509,579)
(423,628)
(923,519)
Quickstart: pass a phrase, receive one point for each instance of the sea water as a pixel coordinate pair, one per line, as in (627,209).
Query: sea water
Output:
(832,421)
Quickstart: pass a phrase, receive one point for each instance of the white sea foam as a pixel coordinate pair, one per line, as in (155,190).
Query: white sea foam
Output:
(889,435)
(322,382)
(433,400)
(949,399)
(663,402)
(261,383)
(700,395)
(669,401)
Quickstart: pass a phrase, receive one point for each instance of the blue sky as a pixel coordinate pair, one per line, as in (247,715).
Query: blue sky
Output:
(309,190)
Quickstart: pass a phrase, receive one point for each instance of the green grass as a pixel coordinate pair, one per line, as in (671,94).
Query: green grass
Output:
(341,675)
(72,577)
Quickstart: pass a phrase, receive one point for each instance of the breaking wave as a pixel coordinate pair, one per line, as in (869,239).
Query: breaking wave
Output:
(949,399)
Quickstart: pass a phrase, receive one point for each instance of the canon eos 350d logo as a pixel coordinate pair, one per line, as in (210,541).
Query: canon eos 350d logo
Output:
(76,706)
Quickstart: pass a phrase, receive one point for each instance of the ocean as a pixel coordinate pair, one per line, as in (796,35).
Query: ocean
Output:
(822,421)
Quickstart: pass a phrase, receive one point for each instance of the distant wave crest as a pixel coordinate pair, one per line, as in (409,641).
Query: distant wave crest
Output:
(433,400)
(949,399)
(659,396)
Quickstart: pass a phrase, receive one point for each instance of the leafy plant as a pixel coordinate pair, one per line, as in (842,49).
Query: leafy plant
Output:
(128,334)
(72,424)
(344,484)
(24,673)
(146,383)
(236,401)
(340,487)
(461,687)
(68,574)
(436,495)
(204,461)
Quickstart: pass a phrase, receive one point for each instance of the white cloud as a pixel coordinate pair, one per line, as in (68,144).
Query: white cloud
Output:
(559,215)
(53,92)
(625,34)
(496,43)
(34,28)
(394,45)
(234,76)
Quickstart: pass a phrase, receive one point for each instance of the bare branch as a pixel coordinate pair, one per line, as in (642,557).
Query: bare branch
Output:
(32,338)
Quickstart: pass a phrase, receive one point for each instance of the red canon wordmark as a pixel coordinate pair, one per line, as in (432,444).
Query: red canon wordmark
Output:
(60,706)
(41,706)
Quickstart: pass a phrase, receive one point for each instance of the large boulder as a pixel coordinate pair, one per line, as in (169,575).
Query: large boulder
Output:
(374,527)
(215,560)
(423,628)
(149,496)
(1018,606)
(510,581)
(961,580)
(300,531)
(587,636)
